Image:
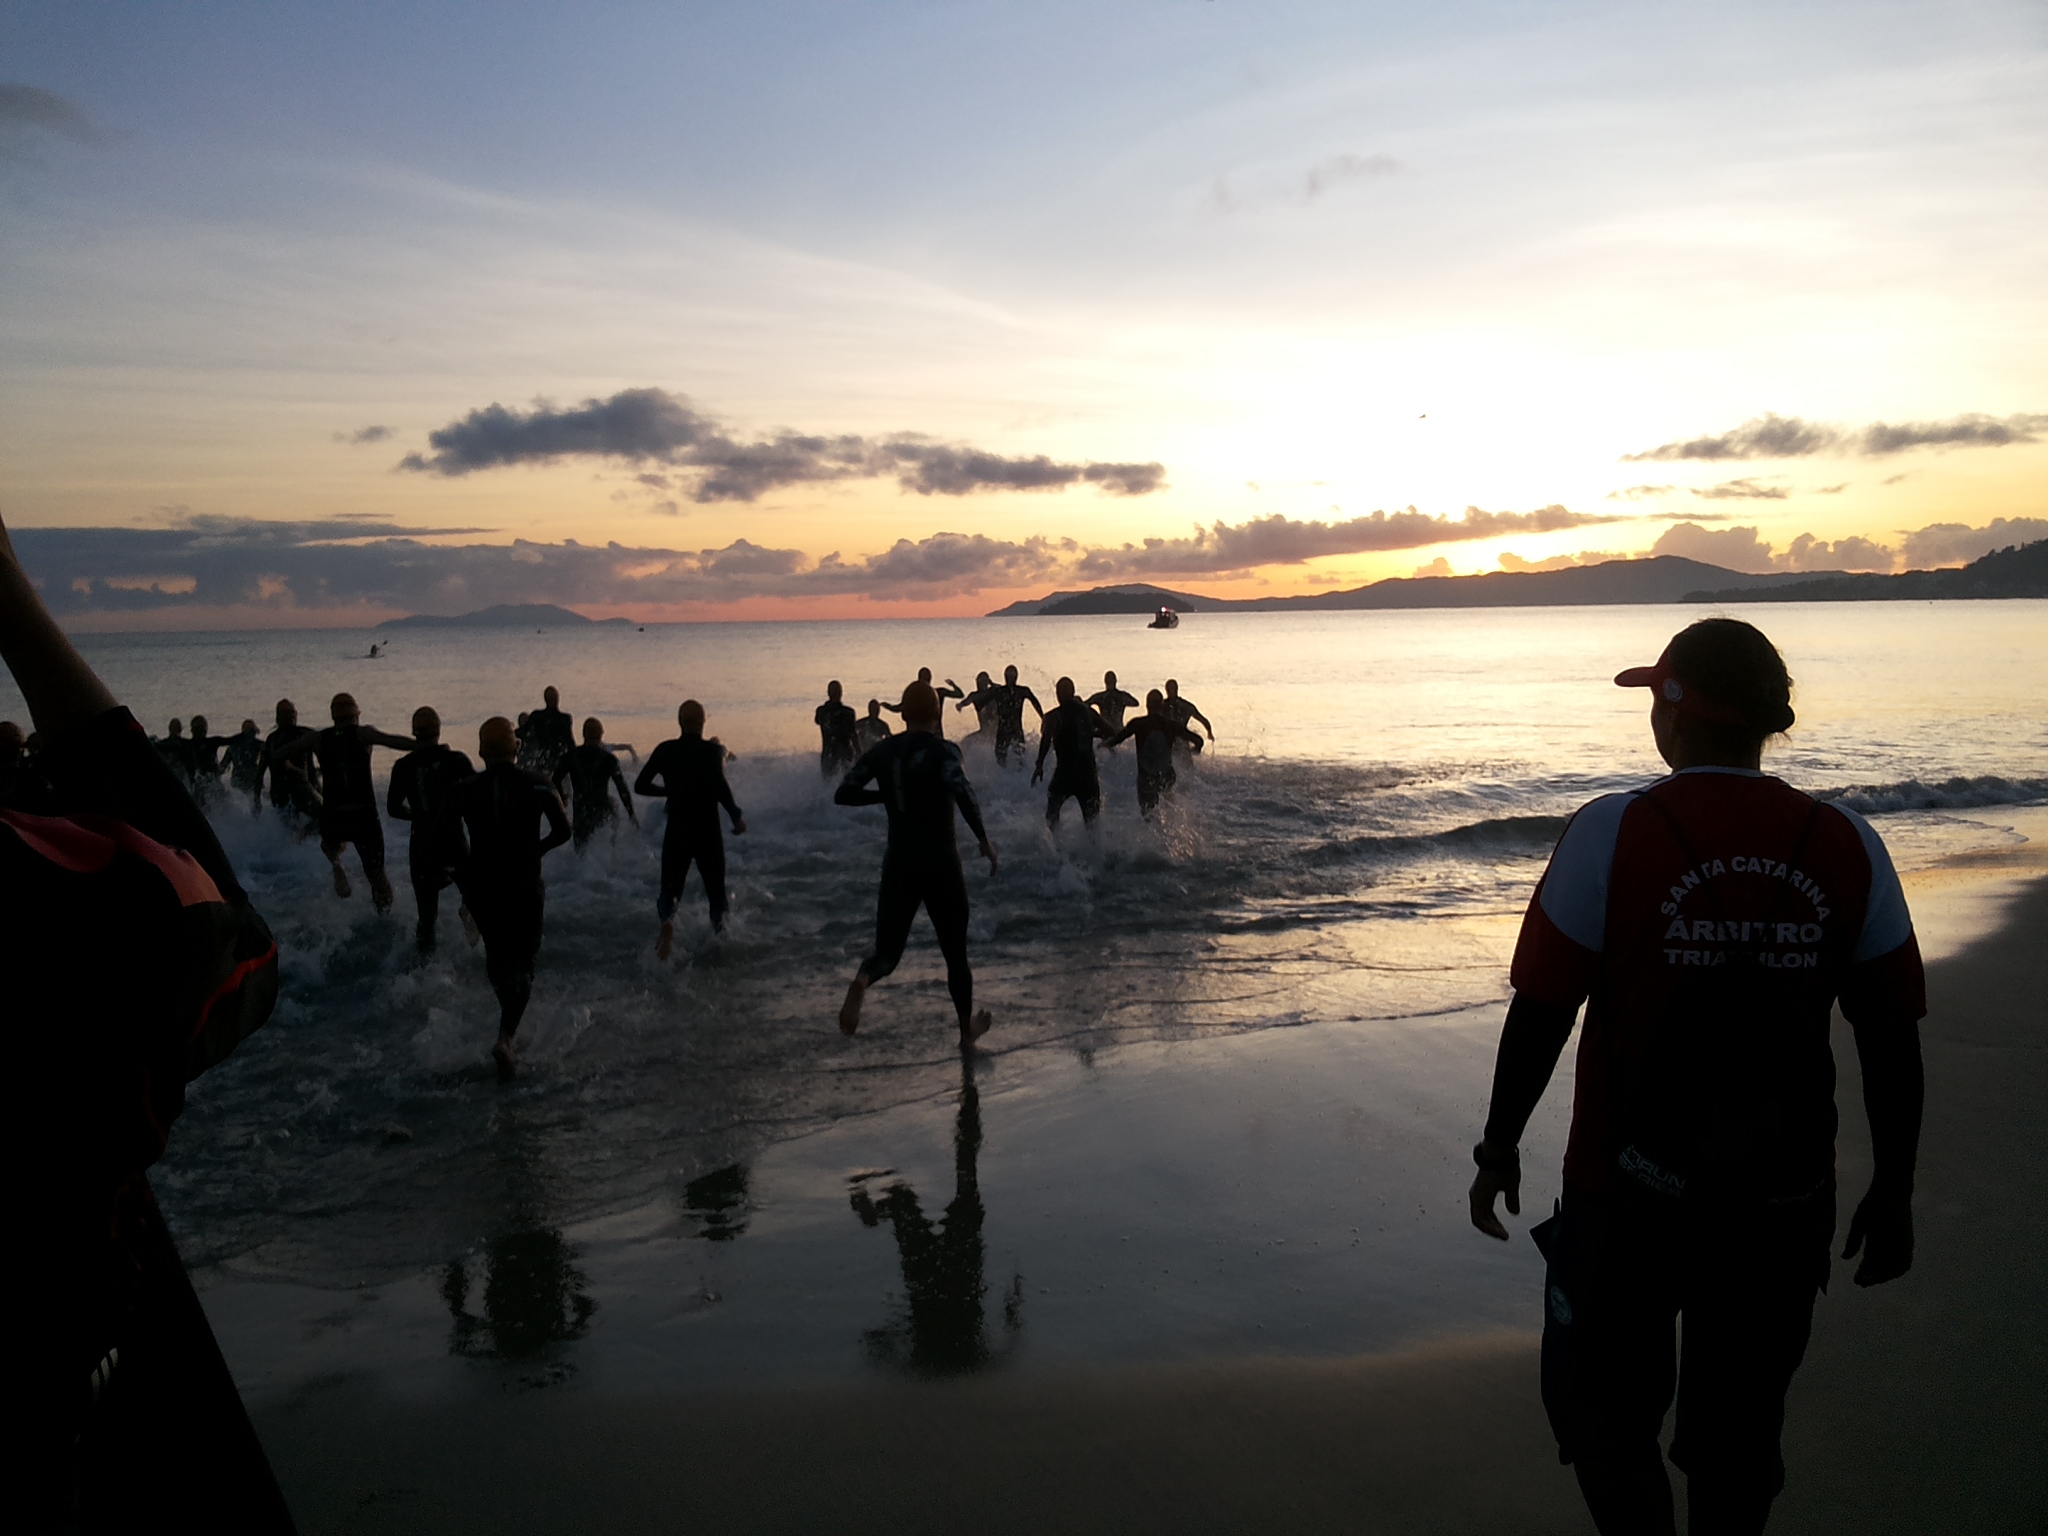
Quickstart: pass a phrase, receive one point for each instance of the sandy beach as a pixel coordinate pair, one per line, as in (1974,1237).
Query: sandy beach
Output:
(1918,1409)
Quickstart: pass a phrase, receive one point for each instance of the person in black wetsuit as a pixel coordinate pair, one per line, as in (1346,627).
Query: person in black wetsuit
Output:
(951,690)
(175,748)
(690,773)
(294,777)
(1158,734)
(245,755)
(546,736)
(420,782)
(206,763)
(921,781)
(1111,702)
(491,831)
(1071,729)
(1183,710)
(982,701)
(592,773)
(836,722)
(871,727)
(348,806)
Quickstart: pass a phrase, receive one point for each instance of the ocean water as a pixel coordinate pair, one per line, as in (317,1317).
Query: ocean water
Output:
(1358,845)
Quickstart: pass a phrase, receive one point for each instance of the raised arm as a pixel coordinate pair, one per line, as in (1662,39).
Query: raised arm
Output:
(377,738)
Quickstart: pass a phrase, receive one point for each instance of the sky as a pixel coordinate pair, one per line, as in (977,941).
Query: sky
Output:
(313,315)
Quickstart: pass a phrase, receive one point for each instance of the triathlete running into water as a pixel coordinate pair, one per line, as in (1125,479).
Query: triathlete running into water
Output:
(1111,702)
(546,736)
(920,783)
(1158,733)
(592,773)
(175,748)
(836,722)
(1071,730)
(1009,702)
(245,758)
(951,690)
(690,773)
(294,778)
(492,826)
(206,763)
(348,803)
(1709,923)
(1183,710)
(871,727)
(420,785)
(982,701)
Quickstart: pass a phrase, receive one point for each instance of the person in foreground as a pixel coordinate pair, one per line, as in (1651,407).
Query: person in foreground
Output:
(921,781)
(490,829)
(689,772)
(1713,920)
(133,963)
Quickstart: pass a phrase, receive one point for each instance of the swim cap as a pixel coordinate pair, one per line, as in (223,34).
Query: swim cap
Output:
(495,742)
(920,703)
(1723,671)
(690,716)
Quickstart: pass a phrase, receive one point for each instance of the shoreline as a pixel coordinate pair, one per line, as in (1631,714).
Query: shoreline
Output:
(1918,1406)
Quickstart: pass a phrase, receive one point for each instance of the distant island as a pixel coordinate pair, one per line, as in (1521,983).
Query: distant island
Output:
(2016,572)
(501,616)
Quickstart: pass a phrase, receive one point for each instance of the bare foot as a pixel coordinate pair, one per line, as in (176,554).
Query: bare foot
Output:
(849,1011)
(973,1029)
(341,885)
(502,1054)
(469,928)
(380,893)
(665,941)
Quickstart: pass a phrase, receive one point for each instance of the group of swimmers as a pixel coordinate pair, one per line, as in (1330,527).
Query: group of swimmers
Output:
(1069,730)
(485,831)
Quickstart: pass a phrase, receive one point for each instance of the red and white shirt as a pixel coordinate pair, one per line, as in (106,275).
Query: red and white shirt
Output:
(1710,923)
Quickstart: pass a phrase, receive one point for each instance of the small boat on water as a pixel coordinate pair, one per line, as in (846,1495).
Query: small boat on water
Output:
(1165,618)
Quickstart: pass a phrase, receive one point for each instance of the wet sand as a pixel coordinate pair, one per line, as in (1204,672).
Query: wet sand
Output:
(1919,1409)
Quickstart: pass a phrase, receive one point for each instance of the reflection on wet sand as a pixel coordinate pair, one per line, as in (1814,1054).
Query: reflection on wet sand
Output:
(942,1331)
(533,1296)
(717,1202)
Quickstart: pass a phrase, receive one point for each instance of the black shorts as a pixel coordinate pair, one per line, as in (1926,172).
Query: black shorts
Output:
(1065,786)
(357,824)
(1619,1272)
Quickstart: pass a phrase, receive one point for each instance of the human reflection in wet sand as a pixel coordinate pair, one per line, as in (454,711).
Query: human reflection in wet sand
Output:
(533,1296)
(944,1331)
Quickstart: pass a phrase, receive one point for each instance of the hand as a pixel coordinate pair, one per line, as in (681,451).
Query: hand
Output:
(988,851)
(1885,1219)
(739,826)
(1485,1185)
(1038,772)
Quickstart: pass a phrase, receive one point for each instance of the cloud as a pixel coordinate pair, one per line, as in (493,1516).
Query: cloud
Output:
(1339,169)
(1641,492)
(1281,540)
(1437,567)
(642,426)
(1831,490)
(27,115)
(1511,562)
(1744,549)
(1787,437)
(1742,490)
(365,435)
(1958,543)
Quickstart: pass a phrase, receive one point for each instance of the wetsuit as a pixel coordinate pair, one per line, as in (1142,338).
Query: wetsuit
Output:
(690,773)
(1181,710)
(245,757)
(1009,700)
(547,737)
(591,773)
(177,752)
(869,731)
(920,781)
(420,782)
(836,725)
(1713,921)
(1072,729)
(294,782)
(348,805)
(1157,737)
(1111,704)
(491,827)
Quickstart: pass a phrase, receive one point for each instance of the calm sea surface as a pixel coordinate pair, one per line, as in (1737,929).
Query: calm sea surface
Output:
(1383,791)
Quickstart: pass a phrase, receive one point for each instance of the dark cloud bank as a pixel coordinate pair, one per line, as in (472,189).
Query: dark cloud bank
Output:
(652,426)
(217,563)
(1787,437)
